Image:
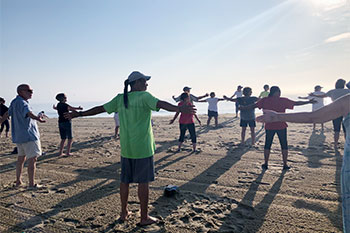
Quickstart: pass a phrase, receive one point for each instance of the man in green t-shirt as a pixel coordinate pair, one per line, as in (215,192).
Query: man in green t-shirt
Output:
(136,138)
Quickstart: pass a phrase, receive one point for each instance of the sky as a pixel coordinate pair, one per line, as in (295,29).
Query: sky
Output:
(87,48)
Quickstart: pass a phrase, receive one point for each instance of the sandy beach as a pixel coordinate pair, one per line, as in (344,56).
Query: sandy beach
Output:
(222,187)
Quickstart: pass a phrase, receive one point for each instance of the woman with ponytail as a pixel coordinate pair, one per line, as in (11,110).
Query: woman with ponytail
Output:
(136,138)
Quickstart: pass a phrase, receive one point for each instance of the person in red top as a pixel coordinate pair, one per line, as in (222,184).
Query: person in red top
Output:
(278,104)
(186,122)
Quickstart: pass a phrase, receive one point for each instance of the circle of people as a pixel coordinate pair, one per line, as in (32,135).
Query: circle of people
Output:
(134,108)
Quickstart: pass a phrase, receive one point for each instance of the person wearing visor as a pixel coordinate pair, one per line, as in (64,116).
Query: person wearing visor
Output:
(136,138)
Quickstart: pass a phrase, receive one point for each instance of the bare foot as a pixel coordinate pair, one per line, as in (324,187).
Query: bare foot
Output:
(124,216)
(150,220)
(18,183)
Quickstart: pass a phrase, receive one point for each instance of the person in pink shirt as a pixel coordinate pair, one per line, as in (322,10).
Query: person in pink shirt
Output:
(186,122)
(278,104)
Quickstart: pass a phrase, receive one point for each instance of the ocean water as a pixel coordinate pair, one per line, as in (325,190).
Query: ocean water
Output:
(224,107)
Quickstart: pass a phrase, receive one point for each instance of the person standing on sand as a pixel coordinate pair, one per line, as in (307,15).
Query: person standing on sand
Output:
(334,94)
(64,125)
(319,102)
(186,122)
(212,108)
(340,107)
(192,97)
(5,124)
(25,133)
(276,103)
(238,94)
(247,115)
(136,138)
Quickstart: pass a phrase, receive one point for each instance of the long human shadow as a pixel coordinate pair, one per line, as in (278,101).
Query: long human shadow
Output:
(98,191)
(203,180)
(334,216)
(50,154)
(311,153)
(206,129)
(246,203)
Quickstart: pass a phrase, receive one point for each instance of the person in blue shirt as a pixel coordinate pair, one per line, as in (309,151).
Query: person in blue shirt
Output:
(25,133)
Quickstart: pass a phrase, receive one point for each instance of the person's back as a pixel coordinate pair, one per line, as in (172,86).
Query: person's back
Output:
(277,104)
(247,114)
(337,93)
(135,123)
(61,109)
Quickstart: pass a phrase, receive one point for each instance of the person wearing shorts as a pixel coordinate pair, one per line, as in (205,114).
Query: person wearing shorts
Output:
(278,104)
(247,114)
(136,138)
(25,133)
(212,108)
(64,125)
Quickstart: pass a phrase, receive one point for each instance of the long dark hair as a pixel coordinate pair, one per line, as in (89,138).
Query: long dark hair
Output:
(126,83)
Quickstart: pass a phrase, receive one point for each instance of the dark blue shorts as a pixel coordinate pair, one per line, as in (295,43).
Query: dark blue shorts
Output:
(212,113)
(245,123)
(65,130)
(137,170)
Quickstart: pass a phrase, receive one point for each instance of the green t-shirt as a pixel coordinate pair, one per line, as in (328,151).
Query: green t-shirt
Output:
(264,94)
(136,136)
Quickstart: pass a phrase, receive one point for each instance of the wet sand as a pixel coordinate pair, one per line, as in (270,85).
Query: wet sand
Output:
(222,188)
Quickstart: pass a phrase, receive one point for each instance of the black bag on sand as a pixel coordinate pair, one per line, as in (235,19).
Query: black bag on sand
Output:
(171,190)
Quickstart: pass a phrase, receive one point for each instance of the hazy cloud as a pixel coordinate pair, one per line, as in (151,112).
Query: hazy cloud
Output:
(339,37)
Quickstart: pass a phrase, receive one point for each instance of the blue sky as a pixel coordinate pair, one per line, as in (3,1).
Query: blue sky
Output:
(87,48)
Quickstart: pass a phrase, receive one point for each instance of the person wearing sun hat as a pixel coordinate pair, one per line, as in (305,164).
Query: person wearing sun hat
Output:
(193,98)
(136,138)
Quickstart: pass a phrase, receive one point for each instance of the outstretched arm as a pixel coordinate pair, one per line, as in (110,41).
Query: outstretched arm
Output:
(173,108)
(70,108)
(91,112)
(304,98)
(340,107)
(230,98)
(320,96)
(299,103)
(201,97)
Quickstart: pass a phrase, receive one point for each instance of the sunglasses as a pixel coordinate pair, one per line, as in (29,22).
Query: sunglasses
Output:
(30,91)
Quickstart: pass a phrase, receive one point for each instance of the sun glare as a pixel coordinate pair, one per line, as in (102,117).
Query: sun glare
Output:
(327,5)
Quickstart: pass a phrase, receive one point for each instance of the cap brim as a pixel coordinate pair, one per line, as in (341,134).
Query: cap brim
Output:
(147,77)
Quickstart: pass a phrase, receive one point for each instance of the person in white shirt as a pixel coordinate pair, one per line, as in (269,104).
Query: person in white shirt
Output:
(335,94)
(212,108)
(238,94)
(319,101)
